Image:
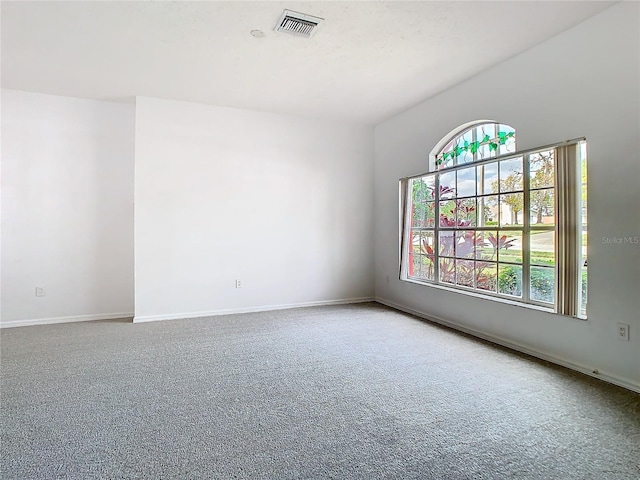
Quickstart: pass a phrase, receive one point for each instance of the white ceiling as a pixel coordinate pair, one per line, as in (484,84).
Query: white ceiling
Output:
(368,61)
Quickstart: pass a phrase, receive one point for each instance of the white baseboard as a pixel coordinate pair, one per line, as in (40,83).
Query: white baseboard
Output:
(264,308)
(77,318)
(621,382)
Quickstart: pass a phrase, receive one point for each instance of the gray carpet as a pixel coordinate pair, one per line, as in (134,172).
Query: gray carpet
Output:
(356,391)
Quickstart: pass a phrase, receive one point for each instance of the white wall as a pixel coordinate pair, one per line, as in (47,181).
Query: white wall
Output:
(583,82)
(67,208)
(282,203)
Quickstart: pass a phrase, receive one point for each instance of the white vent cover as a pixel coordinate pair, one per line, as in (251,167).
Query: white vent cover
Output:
(299,24)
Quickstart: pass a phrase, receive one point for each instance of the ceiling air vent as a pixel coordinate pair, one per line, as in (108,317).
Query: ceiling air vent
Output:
(299,24)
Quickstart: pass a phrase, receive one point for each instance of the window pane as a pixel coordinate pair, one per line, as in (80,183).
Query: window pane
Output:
(415,241)
(486,276)
(506,138)
(424,214)
(447,270)
(464,272)
(465,244)
(542,207)
(543,284)
(542,248)
(448,213)
(510,211)
(444,158)
(487,178)
(415,258)
(484,246)
(426,257)
(510,280)
(465,155)
(447,185)
(417,215)
(466,212)
(446,243)
(508,147)
(431,186)
(426,268)
(508,245)
(505,128)
(430,214)
(416,219)
(466,186)
(485,134)
(427,243)
(487,211)
(542,168)
(422,188)
(511,175)
(487,130)
(415,265)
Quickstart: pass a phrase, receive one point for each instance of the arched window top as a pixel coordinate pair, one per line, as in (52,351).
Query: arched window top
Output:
(473,142)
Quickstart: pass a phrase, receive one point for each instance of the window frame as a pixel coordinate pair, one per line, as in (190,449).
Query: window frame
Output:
(561,274)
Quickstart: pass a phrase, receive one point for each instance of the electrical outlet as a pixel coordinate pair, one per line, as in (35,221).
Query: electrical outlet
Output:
(238,283)
(623,331)
(40,292)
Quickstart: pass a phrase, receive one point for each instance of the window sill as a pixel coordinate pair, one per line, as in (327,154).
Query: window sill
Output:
(514,303)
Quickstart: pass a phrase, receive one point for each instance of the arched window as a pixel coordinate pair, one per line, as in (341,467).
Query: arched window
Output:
(476,141)
(490,219)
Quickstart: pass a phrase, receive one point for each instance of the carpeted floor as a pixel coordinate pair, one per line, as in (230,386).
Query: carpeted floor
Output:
(355,391)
